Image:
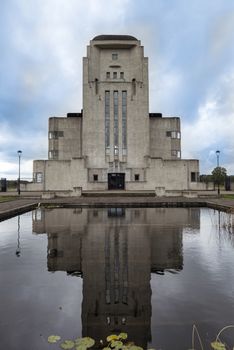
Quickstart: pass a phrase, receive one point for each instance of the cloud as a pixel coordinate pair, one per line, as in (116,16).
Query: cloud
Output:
(213,128)
(42,44)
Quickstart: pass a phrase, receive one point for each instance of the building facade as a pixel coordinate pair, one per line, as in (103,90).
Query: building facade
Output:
(114,143)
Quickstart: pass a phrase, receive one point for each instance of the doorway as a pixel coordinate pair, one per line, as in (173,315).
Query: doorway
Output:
(116,181)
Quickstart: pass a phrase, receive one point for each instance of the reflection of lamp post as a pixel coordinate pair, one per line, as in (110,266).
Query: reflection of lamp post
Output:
(19,154)
(17,252)
(217,154)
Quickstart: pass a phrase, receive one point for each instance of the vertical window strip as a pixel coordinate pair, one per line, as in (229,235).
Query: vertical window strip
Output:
(107,121)
(124,121)
(116,123)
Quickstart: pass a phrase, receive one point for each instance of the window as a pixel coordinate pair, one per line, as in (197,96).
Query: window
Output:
(121,75)
(193,177)
(53,154)
(114,75)
(137,177)
(95,177)
(96,86)
(107,121)
(116,122)
(38,177)
(176,153)
(124,122)
(134,86)
(175,134)
(55,134)
(168,133)
(114,56)
(107,75)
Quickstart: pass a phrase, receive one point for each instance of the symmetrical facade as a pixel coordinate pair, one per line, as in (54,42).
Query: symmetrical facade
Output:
(115,143)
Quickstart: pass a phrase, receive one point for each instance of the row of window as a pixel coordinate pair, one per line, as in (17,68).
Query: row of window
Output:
(55,134)
(173,134)
(116,121)
(115,75)
(136,177)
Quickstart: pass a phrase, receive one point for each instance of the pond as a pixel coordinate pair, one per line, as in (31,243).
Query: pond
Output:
(150,272)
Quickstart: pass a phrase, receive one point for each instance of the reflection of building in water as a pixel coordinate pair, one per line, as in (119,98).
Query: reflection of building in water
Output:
(115,251)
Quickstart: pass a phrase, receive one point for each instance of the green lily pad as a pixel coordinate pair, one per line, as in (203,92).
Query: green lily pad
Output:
(81,347)
(123,335)
(112,337)
(67,344)
(86,342)
(117,344)
(218,345)
(53,339)
(134,347)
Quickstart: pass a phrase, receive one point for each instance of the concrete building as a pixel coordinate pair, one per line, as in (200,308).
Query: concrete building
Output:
(114,142)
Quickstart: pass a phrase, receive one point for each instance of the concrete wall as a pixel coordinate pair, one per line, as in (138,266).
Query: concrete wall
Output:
(162,145)
(68,145)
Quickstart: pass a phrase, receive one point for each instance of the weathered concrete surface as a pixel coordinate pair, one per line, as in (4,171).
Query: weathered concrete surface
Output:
(14,207)
(18,206)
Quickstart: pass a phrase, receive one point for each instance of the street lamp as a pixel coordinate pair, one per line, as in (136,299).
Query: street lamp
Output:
(217,154)
(19,155)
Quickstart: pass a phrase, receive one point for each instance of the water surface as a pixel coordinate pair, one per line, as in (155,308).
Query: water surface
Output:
(150,272)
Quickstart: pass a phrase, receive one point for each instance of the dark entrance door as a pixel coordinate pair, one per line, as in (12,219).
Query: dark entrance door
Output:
(116,181)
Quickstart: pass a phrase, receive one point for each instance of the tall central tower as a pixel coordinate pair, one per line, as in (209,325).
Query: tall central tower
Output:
(115,105)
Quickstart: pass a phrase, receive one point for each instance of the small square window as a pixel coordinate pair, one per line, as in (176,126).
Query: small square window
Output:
(121,75)
(168,133)
(114,56)
(114,75)
(95,177)
(107,75)
(137,177)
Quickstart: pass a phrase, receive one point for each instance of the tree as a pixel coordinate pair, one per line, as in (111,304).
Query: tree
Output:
(218,175)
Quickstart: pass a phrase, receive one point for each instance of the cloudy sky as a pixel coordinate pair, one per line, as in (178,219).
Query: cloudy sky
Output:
(190,45)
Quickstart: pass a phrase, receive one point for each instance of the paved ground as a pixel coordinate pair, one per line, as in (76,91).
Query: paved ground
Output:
(23,204)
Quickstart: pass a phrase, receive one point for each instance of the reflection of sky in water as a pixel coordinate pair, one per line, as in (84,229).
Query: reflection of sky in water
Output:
(190,252)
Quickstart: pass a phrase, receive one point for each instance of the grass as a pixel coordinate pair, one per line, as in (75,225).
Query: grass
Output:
(7,198)
(228,196)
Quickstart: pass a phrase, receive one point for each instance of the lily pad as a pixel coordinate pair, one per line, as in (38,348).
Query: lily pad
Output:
(67,344)
(218,345)
(53,339)
(116,344)
(123,335)
(86,342)
(112,337)
(81,347)
(134,347)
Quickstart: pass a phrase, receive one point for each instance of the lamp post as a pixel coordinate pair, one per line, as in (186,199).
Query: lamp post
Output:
(19,155)
(217,154)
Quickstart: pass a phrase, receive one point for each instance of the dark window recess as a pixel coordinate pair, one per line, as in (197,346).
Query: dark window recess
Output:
(95,177)
(114,75)
(137,177)
(193,177)
(134,86)
(96,86)
(121,75)
(107,75)
(168,133)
